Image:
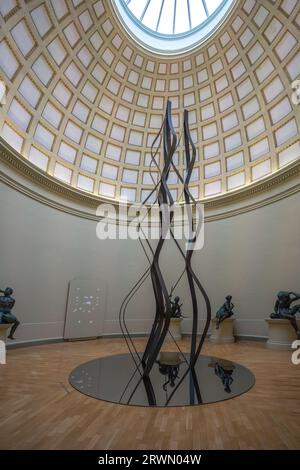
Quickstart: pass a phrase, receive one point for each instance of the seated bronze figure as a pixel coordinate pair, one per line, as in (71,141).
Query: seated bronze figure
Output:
(6,305)
(284,310)
(176,307)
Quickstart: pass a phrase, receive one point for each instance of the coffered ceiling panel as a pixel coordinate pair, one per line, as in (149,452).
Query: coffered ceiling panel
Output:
(84,101)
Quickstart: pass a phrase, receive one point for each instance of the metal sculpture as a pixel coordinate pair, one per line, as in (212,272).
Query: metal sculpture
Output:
(284,310)
(176,307)
(164,309)
(6,306)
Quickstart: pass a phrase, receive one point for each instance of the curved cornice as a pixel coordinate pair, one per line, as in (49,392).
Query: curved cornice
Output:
(88,203)
(13,159)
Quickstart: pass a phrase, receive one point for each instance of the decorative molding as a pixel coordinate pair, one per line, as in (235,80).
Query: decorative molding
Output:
(10,156)
(41,342)
(43,180)
(33,342)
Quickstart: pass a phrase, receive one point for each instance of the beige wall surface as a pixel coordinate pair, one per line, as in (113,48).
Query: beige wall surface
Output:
(251,256)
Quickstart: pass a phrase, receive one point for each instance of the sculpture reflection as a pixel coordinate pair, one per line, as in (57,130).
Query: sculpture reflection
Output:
(223,370)
(284,310)
(168,365)
(114,378)
(149,391)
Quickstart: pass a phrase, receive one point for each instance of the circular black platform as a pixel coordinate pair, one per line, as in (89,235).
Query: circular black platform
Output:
(114,379)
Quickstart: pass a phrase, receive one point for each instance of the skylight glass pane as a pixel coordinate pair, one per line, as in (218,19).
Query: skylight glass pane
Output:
(212,5)
(188,21)
(137,7)
(197,11)
(152,14)
(182,17)
(159,15)
(166,21)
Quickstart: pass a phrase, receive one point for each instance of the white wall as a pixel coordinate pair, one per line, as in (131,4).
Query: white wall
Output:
(251,256)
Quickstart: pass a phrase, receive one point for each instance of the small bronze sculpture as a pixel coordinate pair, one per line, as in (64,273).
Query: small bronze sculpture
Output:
(6,305)
(176,307)
(225,311)
(283,309)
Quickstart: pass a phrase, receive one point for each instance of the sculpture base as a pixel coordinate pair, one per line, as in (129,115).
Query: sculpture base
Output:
(281,334)
(3,331)
(175,330)
(116,380)
(224,334)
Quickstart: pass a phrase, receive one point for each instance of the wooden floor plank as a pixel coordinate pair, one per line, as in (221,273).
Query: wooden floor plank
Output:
(40,410)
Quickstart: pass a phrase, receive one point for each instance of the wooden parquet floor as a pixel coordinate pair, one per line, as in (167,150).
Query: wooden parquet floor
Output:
(40,410)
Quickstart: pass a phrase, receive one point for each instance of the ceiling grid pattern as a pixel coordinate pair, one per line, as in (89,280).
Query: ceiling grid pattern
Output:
(84,102)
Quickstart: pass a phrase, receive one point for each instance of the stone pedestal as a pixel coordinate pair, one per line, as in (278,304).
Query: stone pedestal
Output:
(3,330)
(225,332)
(175,329)
(281,334)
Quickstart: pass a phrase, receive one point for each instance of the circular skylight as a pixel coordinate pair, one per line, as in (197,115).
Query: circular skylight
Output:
(171,26)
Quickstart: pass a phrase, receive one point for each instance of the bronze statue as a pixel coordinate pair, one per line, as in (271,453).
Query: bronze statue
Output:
(225,311)
(175,307)
(283,309)
(6,305)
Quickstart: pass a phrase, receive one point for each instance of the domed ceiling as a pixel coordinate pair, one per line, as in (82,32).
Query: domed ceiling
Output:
(84,101)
